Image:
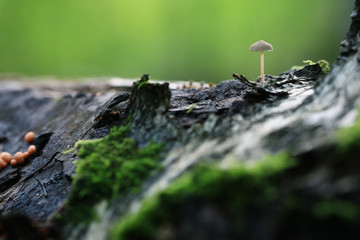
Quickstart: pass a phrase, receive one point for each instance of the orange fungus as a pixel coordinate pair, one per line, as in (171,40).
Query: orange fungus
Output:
(6,156)
(2,163)
(19,157)
(29,137)
(31,150)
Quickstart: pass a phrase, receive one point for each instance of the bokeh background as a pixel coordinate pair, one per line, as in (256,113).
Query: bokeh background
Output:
(201,40)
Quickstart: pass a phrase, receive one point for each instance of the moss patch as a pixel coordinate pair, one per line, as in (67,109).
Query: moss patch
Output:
(234,191)
(324,65)
(108,168)
(348,140)
(336,208)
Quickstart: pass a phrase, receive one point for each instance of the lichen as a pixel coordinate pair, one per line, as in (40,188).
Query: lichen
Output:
(109,168)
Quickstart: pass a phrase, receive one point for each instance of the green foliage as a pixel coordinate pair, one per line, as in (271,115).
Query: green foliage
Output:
(238,189)
(107,168)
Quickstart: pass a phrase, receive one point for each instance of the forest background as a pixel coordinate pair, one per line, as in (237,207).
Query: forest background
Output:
(202,40)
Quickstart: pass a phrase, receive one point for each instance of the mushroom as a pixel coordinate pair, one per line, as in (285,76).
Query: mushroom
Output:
(2,163)
(261,46)
(6,156)
(31,150)
(29,137)
(25,154)
(13,162)
(19,157)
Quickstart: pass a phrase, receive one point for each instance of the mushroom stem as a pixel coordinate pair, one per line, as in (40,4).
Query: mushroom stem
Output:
(261,46)
(262,66)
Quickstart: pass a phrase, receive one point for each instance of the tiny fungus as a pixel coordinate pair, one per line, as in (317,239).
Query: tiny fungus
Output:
(31,150)
(26,155)
(261,46)
(2,163)
(6,156)
(19,157)
(29,137)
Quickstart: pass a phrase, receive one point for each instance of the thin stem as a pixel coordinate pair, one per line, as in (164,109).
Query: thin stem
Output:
(262,66)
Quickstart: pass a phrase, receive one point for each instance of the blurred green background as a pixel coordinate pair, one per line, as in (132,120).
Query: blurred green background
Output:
(202,40)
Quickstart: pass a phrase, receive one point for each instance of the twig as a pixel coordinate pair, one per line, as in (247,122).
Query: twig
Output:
(40,168)
(31,175)
(83,136)
(42,186)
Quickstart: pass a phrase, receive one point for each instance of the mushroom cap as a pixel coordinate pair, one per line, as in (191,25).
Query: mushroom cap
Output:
(31,150)
(19,157)
(6,156)
(2,163)
(13,162)
(26,154)
(261,46)
(29,137)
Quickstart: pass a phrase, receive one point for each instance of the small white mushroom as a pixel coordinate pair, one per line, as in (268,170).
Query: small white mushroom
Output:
(261,46)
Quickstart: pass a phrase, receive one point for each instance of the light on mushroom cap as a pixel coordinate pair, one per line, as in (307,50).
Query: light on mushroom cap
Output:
(31,150)
(261,46)
(29,137)
(19,157)
(6,156)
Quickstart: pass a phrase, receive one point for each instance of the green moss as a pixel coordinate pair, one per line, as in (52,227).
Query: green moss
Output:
(324,65)
(79,144)
(348,139)
(143,81)
(108,168)
(237,190)
(336,208)
(58,99)
(191,108)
